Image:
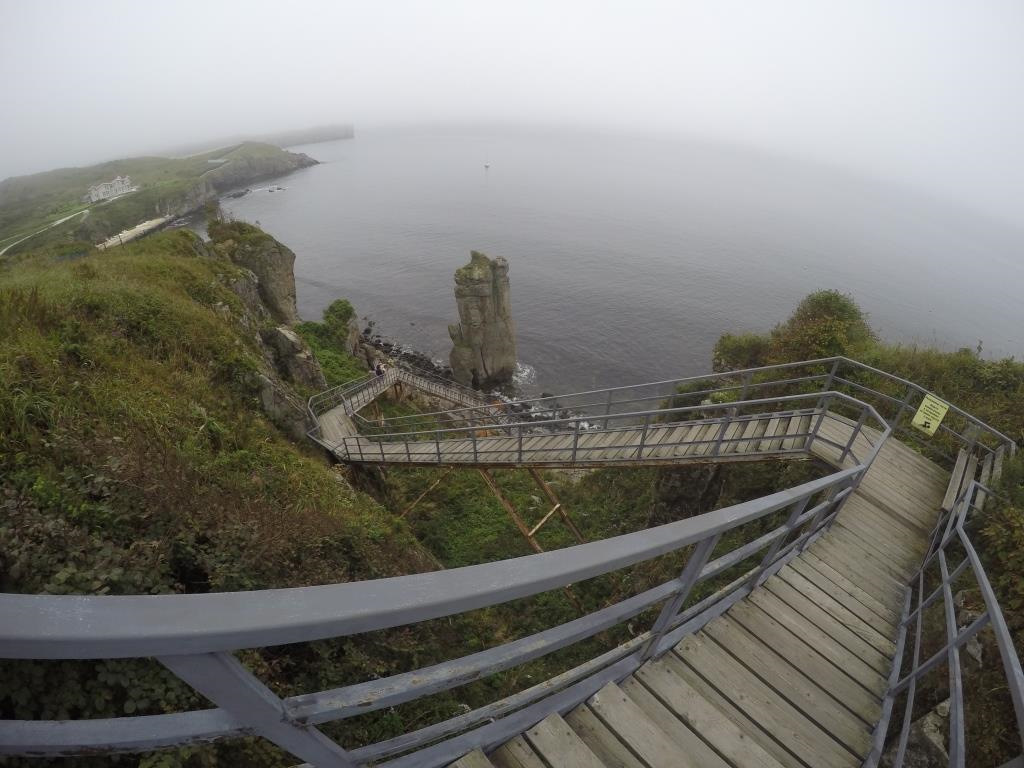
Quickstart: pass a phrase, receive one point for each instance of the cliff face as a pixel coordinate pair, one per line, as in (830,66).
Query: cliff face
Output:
(243,165)
(485,343)
(271,262)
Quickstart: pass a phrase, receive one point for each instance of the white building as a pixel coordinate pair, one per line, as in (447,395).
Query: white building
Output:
(109,189)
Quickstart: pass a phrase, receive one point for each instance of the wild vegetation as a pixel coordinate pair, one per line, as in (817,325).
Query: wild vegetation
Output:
(829,323)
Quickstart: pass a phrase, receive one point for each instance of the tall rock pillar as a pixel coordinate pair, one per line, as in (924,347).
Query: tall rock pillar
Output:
(484,354)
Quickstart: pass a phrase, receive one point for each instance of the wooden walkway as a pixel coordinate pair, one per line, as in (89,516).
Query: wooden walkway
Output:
(791,676)
(731,438)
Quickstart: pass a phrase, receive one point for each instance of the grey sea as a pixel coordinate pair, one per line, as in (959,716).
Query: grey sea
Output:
(630,256)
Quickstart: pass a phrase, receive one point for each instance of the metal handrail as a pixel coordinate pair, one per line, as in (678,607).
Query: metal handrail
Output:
(366,449)
(194,635)
(951,530)
(837,363)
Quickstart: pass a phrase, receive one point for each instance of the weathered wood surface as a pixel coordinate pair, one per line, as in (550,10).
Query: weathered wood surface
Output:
(793,675)
(725,439)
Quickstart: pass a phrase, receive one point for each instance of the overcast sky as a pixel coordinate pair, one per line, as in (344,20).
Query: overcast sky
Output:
(924,91)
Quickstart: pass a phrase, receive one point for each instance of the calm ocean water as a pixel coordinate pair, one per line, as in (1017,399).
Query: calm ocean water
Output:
(630,256)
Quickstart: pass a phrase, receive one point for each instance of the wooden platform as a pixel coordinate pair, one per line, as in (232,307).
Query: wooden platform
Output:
(792,676)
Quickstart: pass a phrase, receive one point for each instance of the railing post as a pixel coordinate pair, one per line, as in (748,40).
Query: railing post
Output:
(747,379)
(222,679)
(794,513)
(904,405)
(520,447)
(472,437)
(437,445)
(575,440)
(717,448)
(824,403)
(853,436)
(831,377)
(687,579)
(607,409)
(815,521)
(956,688)
(643,436)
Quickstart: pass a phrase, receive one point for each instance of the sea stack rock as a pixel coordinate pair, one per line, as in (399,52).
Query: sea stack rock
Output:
(484,354)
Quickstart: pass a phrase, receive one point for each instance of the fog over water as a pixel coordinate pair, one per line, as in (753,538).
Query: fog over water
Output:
(629,257)
(921,91)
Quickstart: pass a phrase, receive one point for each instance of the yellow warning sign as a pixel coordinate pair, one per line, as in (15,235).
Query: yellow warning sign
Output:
(930,414)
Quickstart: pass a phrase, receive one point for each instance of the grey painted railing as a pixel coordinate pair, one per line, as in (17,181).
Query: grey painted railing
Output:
(951,538)
(195,636)
(633,431)
(894,397)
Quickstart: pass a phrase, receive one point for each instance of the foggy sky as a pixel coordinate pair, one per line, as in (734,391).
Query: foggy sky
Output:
(922,91)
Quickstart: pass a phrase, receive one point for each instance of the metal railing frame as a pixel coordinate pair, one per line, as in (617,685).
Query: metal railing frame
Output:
(195,636)
(666,388)
(951,530)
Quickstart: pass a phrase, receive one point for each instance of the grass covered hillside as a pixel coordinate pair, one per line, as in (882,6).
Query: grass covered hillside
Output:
(134,458)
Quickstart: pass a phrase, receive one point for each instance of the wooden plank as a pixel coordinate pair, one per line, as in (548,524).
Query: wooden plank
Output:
(686,703)
(997,465)
(910,548)
(686,741)
(670,444)
(846,616)
(859,511)
(861,550)
(828,624)
(811,745)
(955,479)
(880,546)
(730,712)
(555,741)
(516,753)
(858,669)
(474,759)
(700,434)
(735,426)
(601,741)
(881,585)
(970,473)
(824,575)
(805,657)
(986,473)
(793,685)
(746,443)
(773,425)
(621,714)
(792,429)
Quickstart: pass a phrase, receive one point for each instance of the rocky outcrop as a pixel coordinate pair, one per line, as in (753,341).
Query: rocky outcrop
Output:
(283,407)
(293,359)
(252,161)
(484,354)
(272,262)
(926,744)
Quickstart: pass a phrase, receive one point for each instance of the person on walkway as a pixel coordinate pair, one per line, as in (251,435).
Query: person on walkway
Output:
(378,368)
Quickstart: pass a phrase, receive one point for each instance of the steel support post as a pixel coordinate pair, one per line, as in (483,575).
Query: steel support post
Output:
(222,679)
